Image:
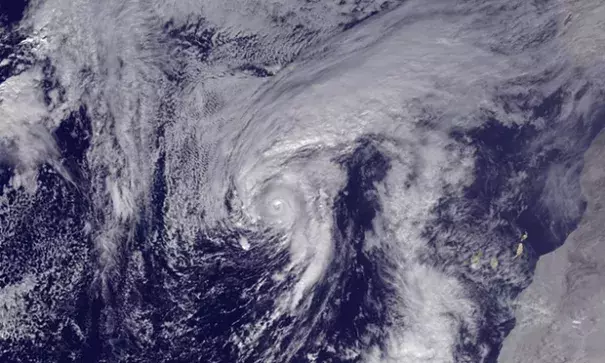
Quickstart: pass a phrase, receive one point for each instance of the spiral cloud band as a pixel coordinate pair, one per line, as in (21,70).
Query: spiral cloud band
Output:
(186,181)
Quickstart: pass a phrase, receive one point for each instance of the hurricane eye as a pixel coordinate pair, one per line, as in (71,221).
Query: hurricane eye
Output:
(277,205)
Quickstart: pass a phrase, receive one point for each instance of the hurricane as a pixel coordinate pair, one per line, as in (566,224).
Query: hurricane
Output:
(286,181)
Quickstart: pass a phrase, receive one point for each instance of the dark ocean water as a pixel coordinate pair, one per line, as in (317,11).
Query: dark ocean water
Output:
(11,12)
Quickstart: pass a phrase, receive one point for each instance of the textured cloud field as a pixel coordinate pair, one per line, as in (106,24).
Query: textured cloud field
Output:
(252,181)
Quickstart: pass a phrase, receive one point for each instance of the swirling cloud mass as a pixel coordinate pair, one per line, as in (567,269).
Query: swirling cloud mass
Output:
(320,181)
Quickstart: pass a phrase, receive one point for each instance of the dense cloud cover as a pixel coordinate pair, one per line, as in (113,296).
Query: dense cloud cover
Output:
(321,181)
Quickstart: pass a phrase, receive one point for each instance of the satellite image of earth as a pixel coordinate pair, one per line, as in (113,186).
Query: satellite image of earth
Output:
(300,181)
